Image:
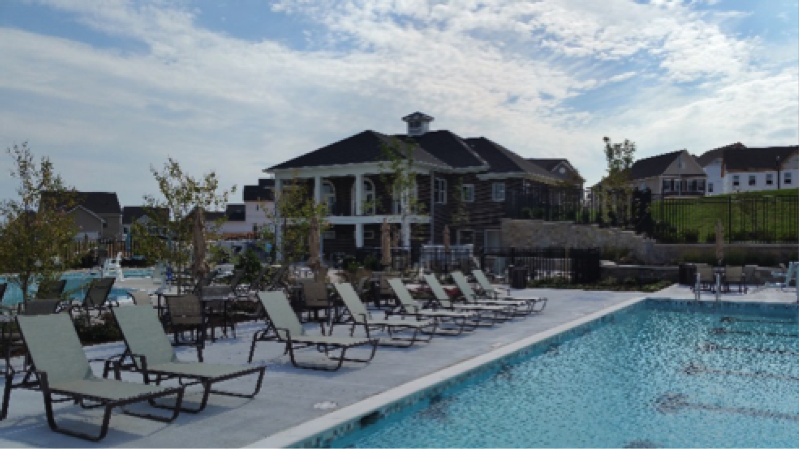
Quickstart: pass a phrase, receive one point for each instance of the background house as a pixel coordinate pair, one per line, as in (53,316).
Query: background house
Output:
(96,215)
(737,168)
(670,174)
(259,202)
(132,215)
(460,182)
(561,169)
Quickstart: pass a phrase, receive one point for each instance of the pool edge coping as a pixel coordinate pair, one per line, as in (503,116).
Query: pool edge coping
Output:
(307,430)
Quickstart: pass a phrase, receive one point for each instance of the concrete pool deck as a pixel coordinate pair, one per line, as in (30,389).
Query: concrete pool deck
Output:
(291,397)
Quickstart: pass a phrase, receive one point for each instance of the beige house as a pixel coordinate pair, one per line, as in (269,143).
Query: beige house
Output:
(671,174)
(97,215)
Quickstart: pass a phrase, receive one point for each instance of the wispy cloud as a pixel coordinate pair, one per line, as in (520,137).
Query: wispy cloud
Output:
(522,73)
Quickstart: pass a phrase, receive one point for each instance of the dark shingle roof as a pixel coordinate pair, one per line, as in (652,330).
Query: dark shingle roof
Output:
(551,164)
(363,147)
(748,159)
(503,160)
(211,217)
(97,202)
(448,148)
(133,213)
(710,155)
(266,182)
(654,165)
(235,212)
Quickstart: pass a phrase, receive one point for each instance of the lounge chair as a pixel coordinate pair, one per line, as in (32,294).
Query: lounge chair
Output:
(488,314)
(62,369)
(51,290)
(360,316)
(11,343)
(154,357)
(284,327)
(449,322)
(140,298)
(522,306)
(7,309)
(735,275)
(96,298)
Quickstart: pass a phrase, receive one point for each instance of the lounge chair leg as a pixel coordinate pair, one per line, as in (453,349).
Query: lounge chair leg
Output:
(6,396)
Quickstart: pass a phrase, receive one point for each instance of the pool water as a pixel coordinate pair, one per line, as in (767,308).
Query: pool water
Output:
(77,283)
(651,377)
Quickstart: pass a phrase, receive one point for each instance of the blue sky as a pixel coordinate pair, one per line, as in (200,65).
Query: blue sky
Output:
(108,88)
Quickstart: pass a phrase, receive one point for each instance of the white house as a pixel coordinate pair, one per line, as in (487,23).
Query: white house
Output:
(736,168)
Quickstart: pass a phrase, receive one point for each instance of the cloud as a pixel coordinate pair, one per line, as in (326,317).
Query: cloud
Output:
(543,78)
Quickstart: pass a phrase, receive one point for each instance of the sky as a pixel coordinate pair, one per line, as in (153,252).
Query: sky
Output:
(110,89)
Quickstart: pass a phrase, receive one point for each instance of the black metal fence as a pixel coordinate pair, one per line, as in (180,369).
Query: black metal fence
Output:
(570,265)
(668,218)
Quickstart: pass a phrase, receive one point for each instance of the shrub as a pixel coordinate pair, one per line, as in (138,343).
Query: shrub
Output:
(250,263)
(691,236)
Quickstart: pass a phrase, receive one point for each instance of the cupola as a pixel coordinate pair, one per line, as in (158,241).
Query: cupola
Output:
(418,123)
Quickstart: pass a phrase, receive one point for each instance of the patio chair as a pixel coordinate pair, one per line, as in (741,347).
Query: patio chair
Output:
(96,299)
(51,290)
(488,314)
(11,344)
(316,298)
(216,303)
(140,298)
(521,306)
(735,275)
(284,327)
(449,322)
(236,285)
(185,314)
(360,316)
(62,369)
(489,292)
(706,279)
(154,357)
(500,269)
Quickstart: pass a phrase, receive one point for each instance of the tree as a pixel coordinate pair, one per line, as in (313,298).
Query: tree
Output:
(183,196)
(400,176)
(36,229)
(291,218)
(615,188)
(460,215)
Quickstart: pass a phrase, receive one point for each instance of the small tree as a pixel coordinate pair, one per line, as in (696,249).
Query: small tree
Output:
(183,196)
(400,177)
(460,215)
(291,217)
(615,188)
(36,229)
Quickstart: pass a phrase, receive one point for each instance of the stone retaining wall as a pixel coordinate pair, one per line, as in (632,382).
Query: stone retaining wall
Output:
(539,233)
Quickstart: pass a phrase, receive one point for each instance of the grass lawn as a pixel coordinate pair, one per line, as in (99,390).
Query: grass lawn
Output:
(770,216)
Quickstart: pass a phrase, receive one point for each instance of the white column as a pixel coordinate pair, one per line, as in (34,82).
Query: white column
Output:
(317,189)
(359,195)
(359,235)
(277,219)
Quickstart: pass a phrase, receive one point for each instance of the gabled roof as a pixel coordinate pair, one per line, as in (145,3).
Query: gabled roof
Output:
(132,213)
(235,212)
(654,165)
(757,159)
(448,148)
(502,160)
(97,202)
(418,116)
(712,155)
(363,147)
(551,164)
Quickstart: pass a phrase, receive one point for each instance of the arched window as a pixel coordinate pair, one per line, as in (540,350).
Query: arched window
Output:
(328,196)
(367,198)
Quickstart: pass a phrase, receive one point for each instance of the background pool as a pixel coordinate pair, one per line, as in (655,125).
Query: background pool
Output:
(77,282)
(649,378)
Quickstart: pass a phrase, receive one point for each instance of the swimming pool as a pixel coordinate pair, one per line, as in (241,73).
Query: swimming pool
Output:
(77,282)
(656,374)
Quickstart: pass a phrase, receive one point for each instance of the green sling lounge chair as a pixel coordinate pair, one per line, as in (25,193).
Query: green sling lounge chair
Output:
(489,291)
(61,369)
(520,307)
(360,316)
(96,298)
(155,358)
(488,314)
(285,327)
(450,322)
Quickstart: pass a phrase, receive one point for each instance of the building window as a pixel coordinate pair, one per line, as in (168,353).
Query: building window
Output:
(665,185)
(701,185)
(328,196)
(710,187)
(769,179)
(440,190)
(468,193)
(255,228)
(367,198)
(694,185)
(498,191)
(736,180)
(751,180)
(369,235)
(329,235)
(787,177)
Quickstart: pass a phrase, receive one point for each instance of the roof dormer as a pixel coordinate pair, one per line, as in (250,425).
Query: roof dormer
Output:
(418,123)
